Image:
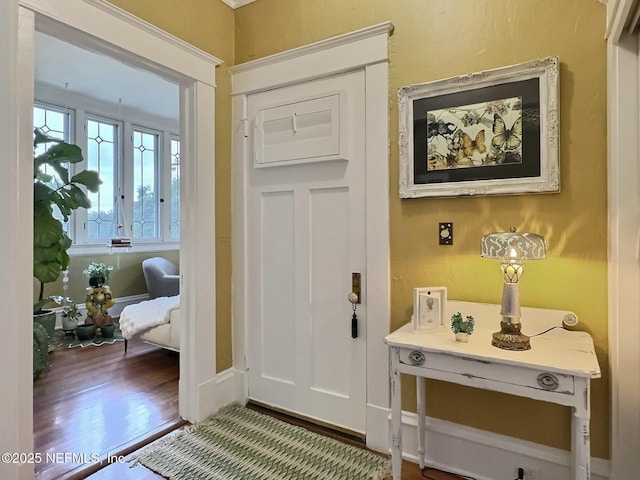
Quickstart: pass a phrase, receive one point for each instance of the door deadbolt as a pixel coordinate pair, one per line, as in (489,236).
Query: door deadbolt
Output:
(356,287)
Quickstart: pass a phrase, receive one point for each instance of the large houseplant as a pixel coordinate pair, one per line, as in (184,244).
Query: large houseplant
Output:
(56,195)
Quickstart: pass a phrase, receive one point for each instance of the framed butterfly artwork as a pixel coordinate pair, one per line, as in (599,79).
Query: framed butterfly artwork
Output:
(487,133)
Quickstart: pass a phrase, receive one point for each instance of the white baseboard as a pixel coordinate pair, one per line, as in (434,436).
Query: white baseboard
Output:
(230,387)
(378,428)
(486,455)
(114,311)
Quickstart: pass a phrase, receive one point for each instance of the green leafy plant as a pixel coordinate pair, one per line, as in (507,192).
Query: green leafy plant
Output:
(97,269)
(69,307)
(40,349)
(460,325)
(55,197)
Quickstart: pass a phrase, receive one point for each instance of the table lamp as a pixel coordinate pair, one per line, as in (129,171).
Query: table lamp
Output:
(512,248)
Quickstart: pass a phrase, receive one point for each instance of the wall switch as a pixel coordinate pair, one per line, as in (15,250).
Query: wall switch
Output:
(445,232)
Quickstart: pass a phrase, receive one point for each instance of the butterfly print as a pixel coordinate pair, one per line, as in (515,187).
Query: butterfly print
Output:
(467,145)
(506,138)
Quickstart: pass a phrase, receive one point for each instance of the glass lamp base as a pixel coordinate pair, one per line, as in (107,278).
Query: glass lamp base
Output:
(510,338)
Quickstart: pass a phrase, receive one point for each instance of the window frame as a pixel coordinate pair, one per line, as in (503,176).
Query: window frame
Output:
(80,110)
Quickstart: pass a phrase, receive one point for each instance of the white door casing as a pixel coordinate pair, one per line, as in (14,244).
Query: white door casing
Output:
(623,124)
(364,49)
(97,24)
(306,232)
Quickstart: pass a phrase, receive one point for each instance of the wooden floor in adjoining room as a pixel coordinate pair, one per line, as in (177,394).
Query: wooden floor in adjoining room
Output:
(95,401)
(98,401)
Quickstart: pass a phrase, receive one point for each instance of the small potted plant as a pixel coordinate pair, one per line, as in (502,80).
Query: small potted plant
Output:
(70,314)
(462,328)
(98,274)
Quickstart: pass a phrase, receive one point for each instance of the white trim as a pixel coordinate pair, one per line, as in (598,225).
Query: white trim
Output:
(198,253)
(619,14)
(16,401)
(624,265)
(237,3)
(126,34)
(230,387)
(343,53)
(364,49)
(487,455)
(99,26)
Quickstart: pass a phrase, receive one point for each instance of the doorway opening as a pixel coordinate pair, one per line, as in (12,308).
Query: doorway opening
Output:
(103,28)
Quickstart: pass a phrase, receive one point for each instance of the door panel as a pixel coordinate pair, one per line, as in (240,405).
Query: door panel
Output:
(306,232)
(278,262)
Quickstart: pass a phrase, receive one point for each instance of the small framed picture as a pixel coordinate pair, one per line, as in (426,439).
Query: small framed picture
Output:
(429,305)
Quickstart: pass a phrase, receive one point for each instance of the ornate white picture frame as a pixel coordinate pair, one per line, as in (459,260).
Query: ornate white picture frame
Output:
(487,133)
(429,306)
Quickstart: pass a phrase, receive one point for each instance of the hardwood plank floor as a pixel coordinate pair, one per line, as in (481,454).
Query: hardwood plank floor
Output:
(96,401)
(105,405)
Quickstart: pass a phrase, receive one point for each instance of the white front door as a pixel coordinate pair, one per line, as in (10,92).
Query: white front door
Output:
(306,236)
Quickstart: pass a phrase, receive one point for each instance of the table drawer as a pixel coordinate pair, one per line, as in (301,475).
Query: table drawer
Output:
(452,365)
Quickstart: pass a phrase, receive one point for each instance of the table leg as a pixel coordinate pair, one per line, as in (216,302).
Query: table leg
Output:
(580,438)
(396,415)
(421,419)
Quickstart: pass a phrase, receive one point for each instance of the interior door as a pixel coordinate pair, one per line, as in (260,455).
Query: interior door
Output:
(306,226)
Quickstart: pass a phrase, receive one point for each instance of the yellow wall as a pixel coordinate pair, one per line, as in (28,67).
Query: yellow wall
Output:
(208,25)
(436,39)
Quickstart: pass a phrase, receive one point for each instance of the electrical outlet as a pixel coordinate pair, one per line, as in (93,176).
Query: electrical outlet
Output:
(530,473)
(445,233)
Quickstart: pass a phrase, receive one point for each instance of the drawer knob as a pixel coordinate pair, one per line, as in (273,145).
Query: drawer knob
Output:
(416,357)
(548,381)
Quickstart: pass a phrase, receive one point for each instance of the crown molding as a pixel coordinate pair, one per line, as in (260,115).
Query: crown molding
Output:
(237,3)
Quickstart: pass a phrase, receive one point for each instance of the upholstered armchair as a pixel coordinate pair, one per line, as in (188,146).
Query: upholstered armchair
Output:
(162,277)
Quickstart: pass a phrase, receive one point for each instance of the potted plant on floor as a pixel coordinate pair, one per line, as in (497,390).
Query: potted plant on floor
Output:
(70,314)
(56,194)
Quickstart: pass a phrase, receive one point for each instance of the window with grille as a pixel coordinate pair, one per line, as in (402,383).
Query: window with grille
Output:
(140,170)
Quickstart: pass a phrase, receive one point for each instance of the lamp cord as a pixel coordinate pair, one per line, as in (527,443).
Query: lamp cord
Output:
(547,330)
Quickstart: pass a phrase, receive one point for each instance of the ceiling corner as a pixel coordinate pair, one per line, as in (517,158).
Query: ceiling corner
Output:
(237,3)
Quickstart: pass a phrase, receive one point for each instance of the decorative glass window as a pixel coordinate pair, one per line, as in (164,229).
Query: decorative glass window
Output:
(54,122)
(140,171)
(145,168)
(174,224)
(102,156)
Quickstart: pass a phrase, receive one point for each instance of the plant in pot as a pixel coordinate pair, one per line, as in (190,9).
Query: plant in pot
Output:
(70,314)
(56,195)
(98,274)
(462,328)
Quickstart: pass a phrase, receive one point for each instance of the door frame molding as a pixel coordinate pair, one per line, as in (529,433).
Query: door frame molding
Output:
(101,26)
(623,123)
(366,50)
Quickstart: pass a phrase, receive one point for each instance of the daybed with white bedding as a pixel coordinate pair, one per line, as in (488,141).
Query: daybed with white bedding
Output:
(157,321)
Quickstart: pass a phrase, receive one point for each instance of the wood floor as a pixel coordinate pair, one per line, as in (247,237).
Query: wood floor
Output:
(96,403)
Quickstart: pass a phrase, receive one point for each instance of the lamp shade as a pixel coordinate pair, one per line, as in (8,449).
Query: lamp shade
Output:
(524,246)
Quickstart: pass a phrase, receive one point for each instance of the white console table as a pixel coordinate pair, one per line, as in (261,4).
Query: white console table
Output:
(558,369)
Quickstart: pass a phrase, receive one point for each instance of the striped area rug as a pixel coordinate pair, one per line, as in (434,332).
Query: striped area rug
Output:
(242,444)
